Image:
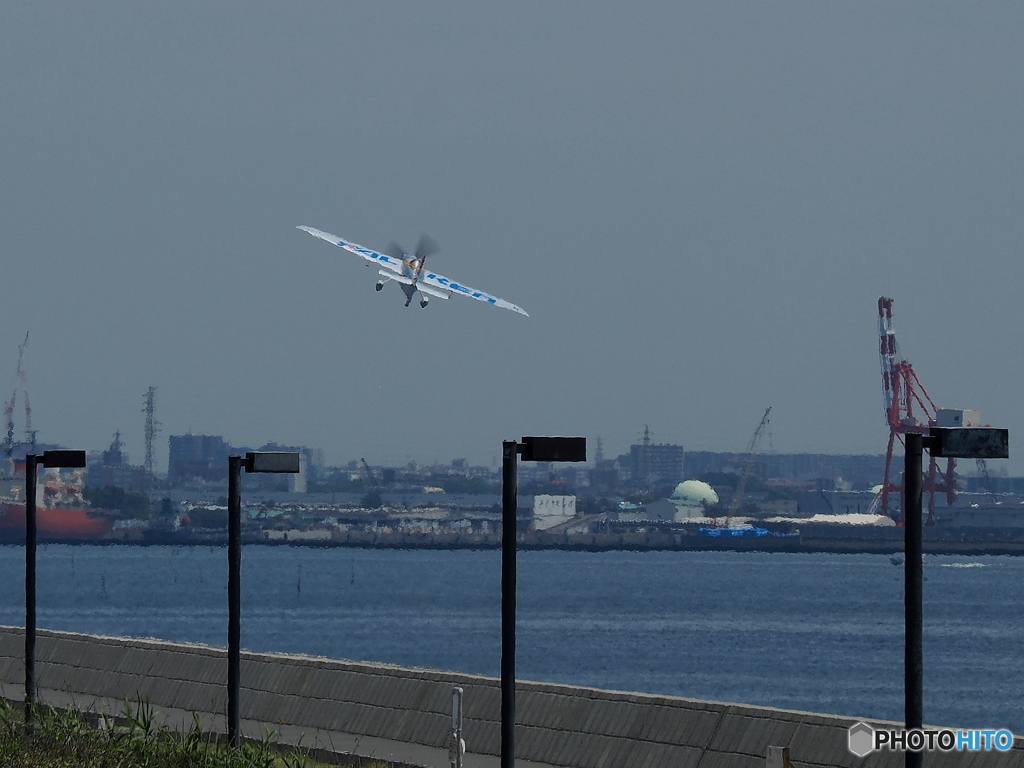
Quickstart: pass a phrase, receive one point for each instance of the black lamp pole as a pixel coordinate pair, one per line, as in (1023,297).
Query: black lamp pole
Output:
(941,442)
(234,598)
(509,502)
(30,587)
(253,461)
(531,449)
(913,581)
(55,458)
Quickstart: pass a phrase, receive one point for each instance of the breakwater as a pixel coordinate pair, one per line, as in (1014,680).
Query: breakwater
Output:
(403,714)
(815,538)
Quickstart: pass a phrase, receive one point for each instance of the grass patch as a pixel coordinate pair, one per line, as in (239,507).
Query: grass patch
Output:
(72,739)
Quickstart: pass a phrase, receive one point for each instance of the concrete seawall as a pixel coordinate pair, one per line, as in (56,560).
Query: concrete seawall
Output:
(403,714)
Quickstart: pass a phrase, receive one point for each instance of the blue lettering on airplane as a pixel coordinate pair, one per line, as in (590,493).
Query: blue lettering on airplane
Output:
(363,251)
(446,283)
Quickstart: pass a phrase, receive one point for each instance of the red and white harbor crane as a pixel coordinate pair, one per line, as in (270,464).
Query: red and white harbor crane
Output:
(908,408)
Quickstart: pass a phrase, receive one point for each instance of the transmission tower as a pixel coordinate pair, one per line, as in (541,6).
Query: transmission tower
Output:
(645,458)
(908,409)
(151,428)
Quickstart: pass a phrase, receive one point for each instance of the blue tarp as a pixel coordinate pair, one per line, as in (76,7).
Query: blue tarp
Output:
(734,532)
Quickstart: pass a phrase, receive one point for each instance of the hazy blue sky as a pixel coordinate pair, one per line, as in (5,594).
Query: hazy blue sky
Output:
(699,205)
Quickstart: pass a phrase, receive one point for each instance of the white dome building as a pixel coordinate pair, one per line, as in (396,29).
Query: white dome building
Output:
(687,503)
(694,493)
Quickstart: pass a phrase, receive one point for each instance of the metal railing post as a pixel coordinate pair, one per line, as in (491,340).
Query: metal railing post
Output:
(458,746)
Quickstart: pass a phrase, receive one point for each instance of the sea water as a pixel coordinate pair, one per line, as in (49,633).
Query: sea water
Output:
(815,632)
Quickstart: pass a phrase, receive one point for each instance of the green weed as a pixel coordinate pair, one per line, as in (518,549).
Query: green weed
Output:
(71,739)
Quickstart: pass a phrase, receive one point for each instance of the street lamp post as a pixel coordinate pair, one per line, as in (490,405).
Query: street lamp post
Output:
(71,460)
(913,598)
(254,461)
(531,449)
(941,442)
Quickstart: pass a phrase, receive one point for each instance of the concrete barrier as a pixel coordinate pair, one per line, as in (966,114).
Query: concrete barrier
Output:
(402,714)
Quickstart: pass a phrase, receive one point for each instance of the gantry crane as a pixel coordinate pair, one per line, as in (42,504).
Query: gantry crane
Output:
(908,408)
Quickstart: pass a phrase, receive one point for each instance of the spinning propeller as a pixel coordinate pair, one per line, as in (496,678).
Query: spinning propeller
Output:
(425,246)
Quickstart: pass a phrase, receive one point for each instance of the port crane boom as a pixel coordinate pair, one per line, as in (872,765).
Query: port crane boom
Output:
(741,486)
(908,408)
(369,473)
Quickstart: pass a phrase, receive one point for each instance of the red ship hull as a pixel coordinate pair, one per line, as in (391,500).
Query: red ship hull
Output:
(53,523)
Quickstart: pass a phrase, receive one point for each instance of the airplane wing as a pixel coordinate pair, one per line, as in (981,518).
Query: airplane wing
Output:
(395,265)
(440,281)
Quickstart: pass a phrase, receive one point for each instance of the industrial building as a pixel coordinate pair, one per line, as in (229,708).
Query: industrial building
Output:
(203,457)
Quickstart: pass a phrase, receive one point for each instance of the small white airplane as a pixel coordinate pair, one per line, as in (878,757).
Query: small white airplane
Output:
(408,270)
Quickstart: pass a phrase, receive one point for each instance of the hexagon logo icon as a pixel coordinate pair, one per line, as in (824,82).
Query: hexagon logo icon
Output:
(861,739)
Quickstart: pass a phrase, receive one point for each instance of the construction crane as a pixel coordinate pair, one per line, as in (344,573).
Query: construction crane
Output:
(741,486)
(370,475)
(9,419)
(30,434)
(908,409)
(372,499)
(20,382)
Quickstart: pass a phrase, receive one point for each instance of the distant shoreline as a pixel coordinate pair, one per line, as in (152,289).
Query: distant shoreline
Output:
(891,544)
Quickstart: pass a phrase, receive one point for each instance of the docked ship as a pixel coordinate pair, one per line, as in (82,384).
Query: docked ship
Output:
(61,512)
(52,524)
